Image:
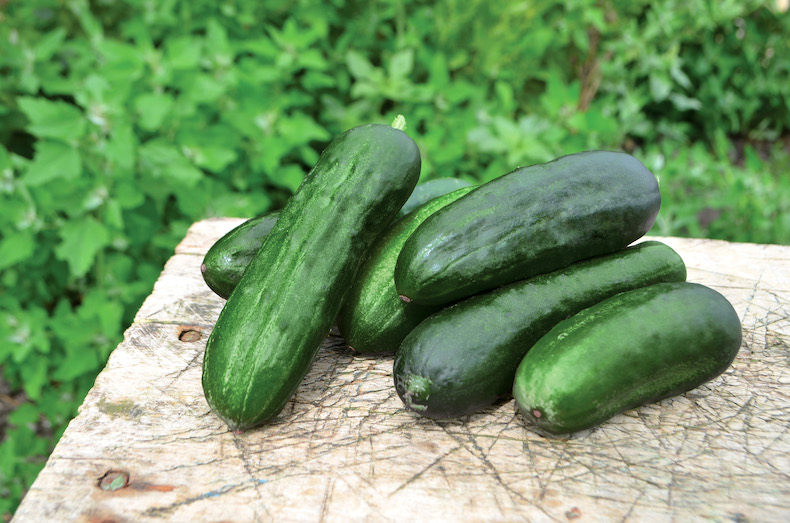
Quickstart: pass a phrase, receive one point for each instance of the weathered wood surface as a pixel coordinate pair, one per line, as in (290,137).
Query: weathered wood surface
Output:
(346,449)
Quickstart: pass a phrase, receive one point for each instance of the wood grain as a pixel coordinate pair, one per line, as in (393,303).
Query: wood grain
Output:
(145,445)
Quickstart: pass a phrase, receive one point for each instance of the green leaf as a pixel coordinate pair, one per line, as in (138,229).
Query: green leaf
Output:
(81,241)
(93,88)
(24,414)
(76,364)
(289,176)
(128,194)
(50,43)
(684,103)
(213,158)
(752,161)
(183,174)
(113,214)
(315,80)
(166,161)
(90,24)
(559,93)
(594,17)
(505,94)
(53,161)
(120,62)
(660,87)
(239,204)
(5,163)
(183,52)
(34,376)
(312,60)
(260,45)
(358,65)
(211,147)
(98,305)
(153,109)
(50,119)
(401,63)
(8,459)
(269,157)
(202,88)
(482,139)
(121,146)
(217,43)
(299,128)
(16,247)
(680,76)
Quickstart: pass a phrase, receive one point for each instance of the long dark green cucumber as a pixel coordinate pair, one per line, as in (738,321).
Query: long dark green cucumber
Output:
(533,220)
(632,349)
(430,189)
(374,318)
(271,327)
(464,357)
(226,260)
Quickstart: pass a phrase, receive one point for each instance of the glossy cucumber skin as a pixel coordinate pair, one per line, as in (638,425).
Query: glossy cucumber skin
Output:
(228,257)
(374,318)
(431,189)
(632,349)
(271,327)
(464,358)
(531,221)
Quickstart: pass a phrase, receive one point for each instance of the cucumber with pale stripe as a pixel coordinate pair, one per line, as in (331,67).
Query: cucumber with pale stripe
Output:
(634,348)
(272,325)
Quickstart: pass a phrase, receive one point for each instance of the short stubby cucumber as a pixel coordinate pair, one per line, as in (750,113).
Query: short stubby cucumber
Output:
(271,327)
(464,357)
(226,260)
(430,189)
(228,257)
(635,348)
(531,221)
(374,318)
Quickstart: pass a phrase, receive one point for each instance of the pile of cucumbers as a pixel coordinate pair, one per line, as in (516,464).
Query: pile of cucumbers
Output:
(526,285)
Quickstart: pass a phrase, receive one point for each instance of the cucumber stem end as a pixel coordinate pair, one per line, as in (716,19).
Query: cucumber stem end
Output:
(399,123)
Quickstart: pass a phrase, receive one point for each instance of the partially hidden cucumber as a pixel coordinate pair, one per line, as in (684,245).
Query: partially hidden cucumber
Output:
(272,325)
(464,357)
(533,220)
(228,257)
(429,190)
(374,318)
(635,348)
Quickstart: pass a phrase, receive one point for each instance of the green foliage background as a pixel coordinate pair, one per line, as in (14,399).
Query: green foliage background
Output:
(124,121)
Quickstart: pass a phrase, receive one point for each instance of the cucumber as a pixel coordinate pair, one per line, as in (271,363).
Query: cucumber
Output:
(533,220)
(429,190)
(226,260)
(374,318)
(635,348)
(464,357)
(271,327)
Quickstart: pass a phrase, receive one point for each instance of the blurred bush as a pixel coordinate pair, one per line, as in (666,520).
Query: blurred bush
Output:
(122,122)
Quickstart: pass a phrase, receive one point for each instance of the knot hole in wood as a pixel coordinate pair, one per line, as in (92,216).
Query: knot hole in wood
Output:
(189,334)
(113,480)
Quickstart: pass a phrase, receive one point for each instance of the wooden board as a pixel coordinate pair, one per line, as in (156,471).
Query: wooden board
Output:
(145,445)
